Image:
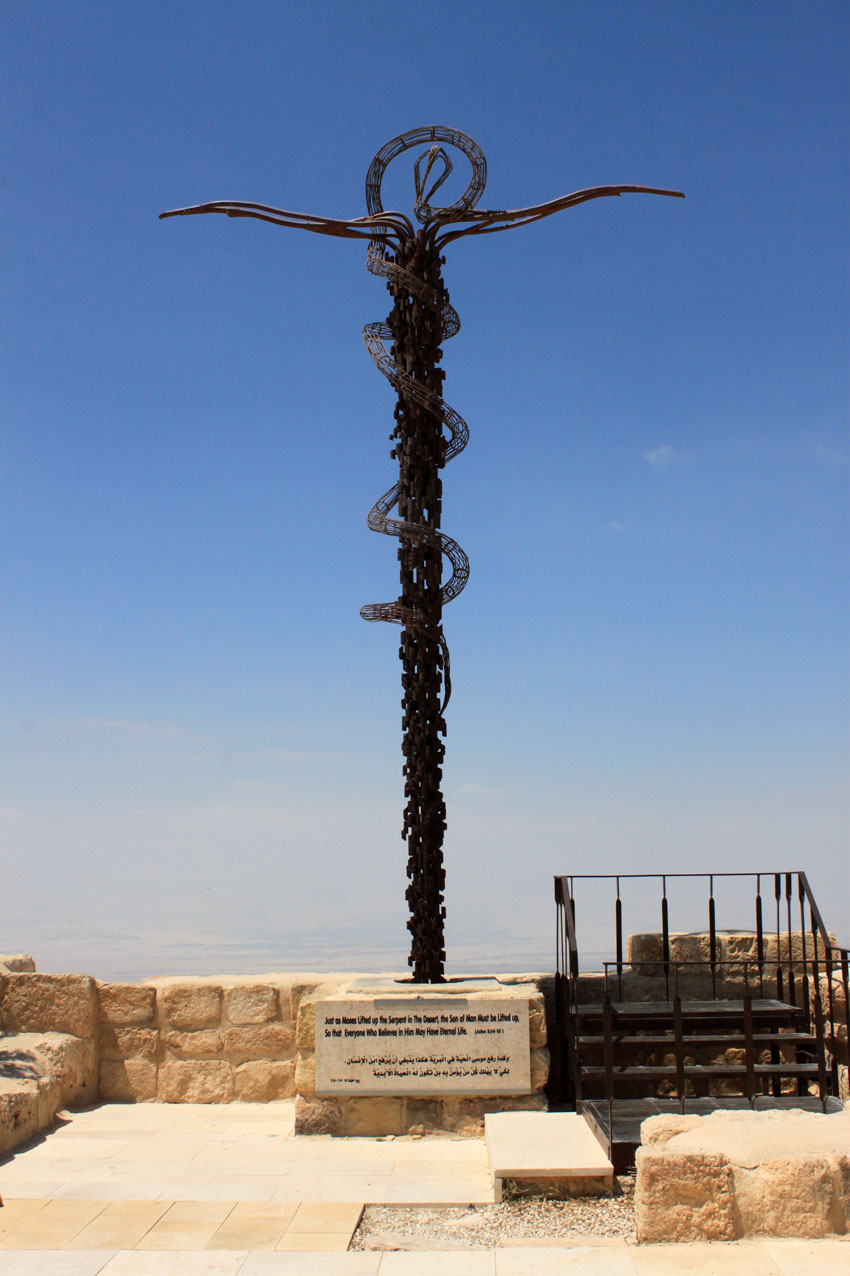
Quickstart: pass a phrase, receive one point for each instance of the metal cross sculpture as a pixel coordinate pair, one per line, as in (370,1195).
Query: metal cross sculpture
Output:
(428,433)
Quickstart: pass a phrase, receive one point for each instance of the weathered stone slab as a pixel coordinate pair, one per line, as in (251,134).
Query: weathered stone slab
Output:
(378,1046)
(734,1174)
(557,1149)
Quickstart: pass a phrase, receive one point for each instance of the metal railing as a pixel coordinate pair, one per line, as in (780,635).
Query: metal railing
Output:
(796,962)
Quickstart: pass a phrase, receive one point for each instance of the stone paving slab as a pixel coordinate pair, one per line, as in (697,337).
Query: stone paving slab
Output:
(741,1258)
(107,1213)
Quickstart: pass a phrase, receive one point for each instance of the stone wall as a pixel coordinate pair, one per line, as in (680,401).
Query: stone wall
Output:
(69,1040)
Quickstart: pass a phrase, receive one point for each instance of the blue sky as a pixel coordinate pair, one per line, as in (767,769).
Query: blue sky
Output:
(199,737)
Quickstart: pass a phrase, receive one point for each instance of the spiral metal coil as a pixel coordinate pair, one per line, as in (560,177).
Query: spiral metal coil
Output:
(387,264)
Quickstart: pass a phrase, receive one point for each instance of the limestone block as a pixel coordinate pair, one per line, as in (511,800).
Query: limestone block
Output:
(17,963)
(195,1081)
(26,1108)
(73,1062)
(684,1198)
(305,1074)
(539,1068)
(70,1061)
(788,1196)
(205,1044)
(316,1116)
(127,1043)
(734,1174)
(49,1003)
(256,1003)
(258,1041)
(372,1117)
(263,1081)
(126,1005)
(128,1081)
(689,947)
(190,1006)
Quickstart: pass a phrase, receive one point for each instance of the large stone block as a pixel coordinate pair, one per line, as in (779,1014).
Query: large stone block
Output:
(126,1005)
(691,1199)
(128,1081)
(195,1081)
(190,1006)
(251,1004)
(70,1061)
(127,1043)
(73,1062)
(263,1081)
(258,1041)
(204,1044)
(17,963)
(49,1003)
(734,1174)
(27,1106)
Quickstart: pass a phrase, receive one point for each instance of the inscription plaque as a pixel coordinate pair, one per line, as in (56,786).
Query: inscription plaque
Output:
(422,1045)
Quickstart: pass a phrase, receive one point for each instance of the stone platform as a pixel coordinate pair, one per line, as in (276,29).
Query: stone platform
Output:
(551,1153)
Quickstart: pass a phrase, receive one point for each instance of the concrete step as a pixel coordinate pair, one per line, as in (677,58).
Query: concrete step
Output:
(555,1150)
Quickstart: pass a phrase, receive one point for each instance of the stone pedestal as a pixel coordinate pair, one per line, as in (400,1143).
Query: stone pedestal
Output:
(385,1056)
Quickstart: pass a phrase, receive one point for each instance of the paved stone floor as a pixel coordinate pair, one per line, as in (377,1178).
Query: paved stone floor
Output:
(206,1190)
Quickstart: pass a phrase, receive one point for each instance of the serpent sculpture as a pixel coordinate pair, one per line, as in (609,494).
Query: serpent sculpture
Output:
(407,349)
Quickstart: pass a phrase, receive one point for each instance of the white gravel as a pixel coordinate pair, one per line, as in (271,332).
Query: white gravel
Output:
(386,1227)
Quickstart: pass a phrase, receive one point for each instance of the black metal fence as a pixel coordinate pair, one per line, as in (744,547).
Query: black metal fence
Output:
(788,957)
